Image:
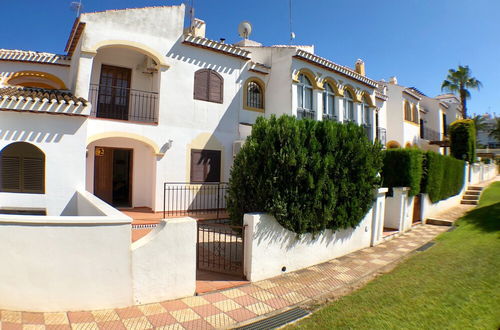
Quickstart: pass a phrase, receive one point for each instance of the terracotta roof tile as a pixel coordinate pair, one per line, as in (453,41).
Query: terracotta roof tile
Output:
(32,56)
(38,93)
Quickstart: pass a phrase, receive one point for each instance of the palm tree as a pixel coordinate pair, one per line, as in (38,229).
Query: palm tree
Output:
(495,132)
(459,82)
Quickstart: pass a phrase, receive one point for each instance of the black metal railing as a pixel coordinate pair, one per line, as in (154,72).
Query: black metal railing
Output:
(114,102)
(368,131)
(328,116)
(204,200)
(429,134)
(220,248)
(305,113)
(382,135)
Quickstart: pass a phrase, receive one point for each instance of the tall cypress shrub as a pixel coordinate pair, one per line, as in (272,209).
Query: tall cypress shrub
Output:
(463,140)
(402,168)
(310,175)
(443,176)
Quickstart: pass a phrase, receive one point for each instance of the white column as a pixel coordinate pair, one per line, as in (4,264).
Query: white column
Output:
(339,108)
(293,111)
(84,74)
(318,103)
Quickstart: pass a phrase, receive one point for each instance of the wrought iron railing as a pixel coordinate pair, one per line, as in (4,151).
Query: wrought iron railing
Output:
(205,200)
(368,131)
(123,103)
(382,135)
(328,116)
(305,113)
(429,134)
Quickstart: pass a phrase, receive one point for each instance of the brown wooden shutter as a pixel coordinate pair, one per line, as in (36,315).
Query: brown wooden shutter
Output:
(201,78)
(11,174)
(33,179)
(205,165)
(216,84)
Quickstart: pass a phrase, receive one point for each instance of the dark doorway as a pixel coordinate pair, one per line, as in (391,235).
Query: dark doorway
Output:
(114,92)
(112,175)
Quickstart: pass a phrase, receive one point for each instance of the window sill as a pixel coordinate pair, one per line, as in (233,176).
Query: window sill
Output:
(411,123)
(254,109)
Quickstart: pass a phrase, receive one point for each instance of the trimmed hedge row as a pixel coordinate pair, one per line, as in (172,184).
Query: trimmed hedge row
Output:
(443,176)
(402,168)
(463,140)
(310,175)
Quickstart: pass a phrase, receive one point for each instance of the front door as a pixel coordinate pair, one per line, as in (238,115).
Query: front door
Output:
(112,175)
(114,92)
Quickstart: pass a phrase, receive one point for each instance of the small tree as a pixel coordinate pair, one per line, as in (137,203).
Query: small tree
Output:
(495,132)
(463,140)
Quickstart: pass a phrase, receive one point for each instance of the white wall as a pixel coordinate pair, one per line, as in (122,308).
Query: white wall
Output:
(66,263)
(62,139)
(269,247)
(164,262)
(396,207)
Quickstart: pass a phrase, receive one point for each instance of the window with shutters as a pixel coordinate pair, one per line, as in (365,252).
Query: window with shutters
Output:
(407,109)
(205,165)
(208,86)
(22,169)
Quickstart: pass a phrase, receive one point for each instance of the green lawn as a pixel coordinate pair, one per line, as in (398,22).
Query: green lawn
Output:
(453,285)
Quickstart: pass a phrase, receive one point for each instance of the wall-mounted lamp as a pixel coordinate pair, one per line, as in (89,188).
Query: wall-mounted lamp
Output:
(166,146)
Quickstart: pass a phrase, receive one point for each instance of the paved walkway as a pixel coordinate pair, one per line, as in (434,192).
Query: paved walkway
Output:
(235,306)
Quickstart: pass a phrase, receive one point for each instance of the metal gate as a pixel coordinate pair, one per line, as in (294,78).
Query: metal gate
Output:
(220,247)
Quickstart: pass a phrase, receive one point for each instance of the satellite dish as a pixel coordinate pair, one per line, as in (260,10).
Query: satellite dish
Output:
(244,29)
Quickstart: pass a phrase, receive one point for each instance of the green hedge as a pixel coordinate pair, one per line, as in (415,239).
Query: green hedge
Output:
(463,140)
(310,175)
(402,168)
(443,176)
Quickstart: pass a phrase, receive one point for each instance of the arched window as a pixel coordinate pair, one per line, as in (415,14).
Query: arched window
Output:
(208,86)
(254,95)
(415,114)
(407,111)
(329,103)
(22,169)
(36,79)
(348,106)
(305,98)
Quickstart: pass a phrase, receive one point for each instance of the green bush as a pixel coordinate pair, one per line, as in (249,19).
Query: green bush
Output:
(443,176)
(310,175)
(402,168)
(463,140)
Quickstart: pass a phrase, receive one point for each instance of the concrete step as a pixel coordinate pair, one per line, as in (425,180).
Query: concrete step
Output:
(474,188)
(469,202)
(439,222)
(473,192)
(471,197)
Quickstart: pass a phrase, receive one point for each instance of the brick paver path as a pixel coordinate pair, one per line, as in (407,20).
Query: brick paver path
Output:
(238,305)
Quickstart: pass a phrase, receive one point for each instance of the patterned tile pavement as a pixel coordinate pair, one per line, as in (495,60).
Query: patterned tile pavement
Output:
(227,308)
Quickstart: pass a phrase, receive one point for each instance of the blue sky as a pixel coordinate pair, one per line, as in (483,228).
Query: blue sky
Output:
(415,40)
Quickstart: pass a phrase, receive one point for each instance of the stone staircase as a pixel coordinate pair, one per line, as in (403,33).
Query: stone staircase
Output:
(471,196)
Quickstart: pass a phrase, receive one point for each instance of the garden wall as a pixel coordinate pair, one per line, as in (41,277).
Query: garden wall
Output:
(85,260)
(269,247)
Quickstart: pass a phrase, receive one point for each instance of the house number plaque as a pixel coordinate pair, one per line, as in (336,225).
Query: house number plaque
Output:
(99,152)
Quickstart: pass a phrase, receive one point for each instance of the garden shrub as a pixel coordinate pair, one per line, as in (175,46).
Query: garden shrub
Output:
(402,168)
(463,140)
(310,175)
(443,176)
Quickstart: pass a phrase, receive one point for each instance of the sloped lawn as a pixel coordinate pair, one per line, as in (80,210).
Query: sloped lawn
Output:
(453,285)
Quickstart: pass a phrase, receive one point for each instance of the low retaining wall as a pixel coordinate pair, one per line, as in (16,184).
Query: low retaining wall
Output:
(480,172)
(86,261)
(271,250)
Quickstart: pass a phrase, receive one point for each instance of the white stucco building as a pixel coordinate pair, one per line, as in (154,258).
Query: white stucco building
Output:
(154,102)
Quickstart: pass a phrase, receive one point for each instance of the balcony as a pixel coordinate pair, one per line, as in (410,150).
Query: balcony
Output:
(328,116)
(306,114)
(113,102)
(429,134)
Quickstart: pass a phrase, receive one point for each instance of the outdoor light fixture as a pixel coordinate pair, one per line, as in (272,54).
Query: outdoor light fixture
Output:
(166,146)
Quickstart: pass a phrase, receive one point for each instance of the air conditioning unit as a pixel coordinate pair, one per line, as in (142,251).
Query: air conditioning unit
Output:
(237,146)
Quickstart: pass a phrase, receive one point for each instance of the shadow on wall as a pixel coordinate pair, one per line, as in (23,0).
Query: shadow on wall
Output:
(16,131)
(272,231)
